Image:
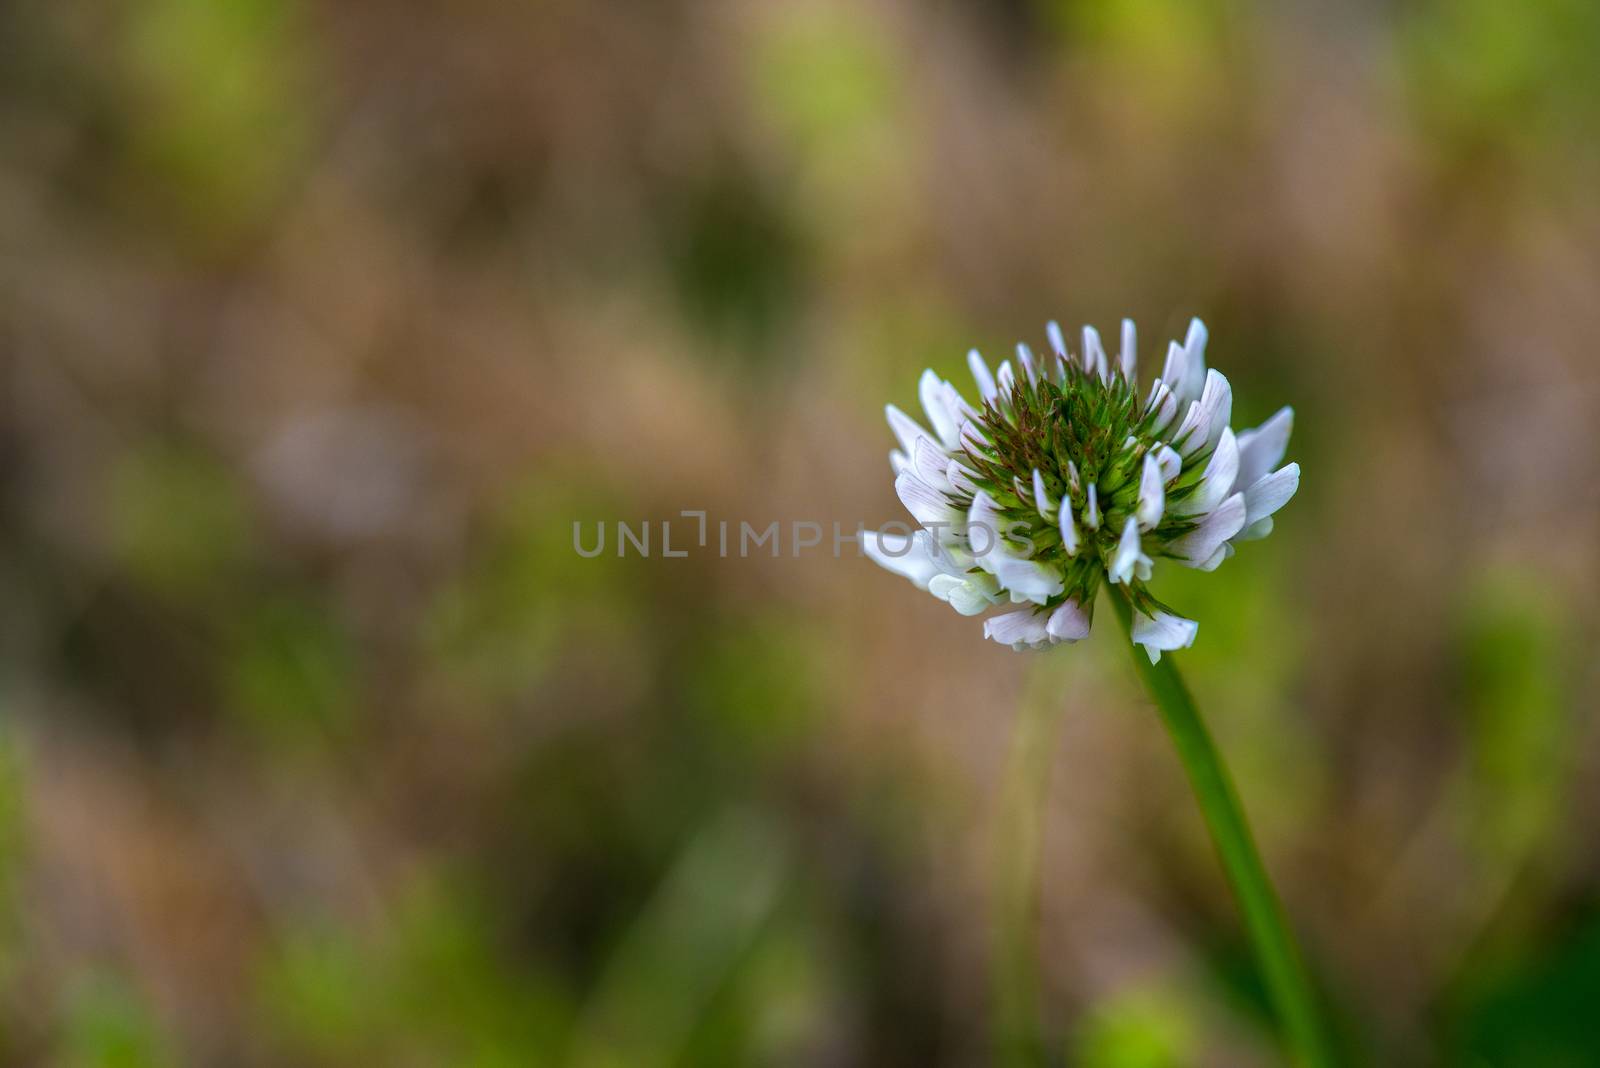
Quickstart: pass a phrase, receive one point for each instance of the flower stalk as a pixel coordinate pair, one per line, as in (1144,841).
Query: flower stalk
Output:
(1061,481)
(1279,958)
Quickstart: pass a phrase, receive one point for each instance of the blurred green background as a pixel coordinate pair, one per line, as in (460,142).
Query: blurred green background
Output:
(320,324)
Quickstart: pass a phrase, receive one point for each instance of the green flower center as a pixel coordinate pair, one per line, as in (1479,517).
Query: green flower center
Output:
(1080,433)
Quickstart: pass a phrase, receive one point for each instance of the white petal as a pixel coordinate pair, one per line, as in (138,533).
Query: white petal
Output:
(898,461)
(1094,353)
(1041,497)
(1195,344)
(1152,493)
(956,404)
(1175,372)
(1218,480)
(1162,632)
(1271,493)
(923,501)
(1255,531)
(1020,630)
(930,391)
(906,429)
(1197,546)
(930,464)
(961,477)
(969,602)
(1163,404)
(965,419)
(1028,580)
(981,375)
(1069,528)
(1171,463)
(967,594)
(1189,360)
(983,585)
(972,437)
(1262,447)
(1183,435)
(983,528)
(1217,402)
(1207,417)
(970,597)
(1091,510)
(1068,623)
(1058,341)
(912,556)
(1130,560)
(1005,379)
(1026,362)
(1129,357)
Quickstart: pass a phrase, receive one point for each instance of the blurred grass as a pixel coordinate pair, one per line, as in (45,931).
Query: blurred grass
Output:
(1140,1028)
(179,521)
(224,111)
(687,943)
(433,987)
(108,1026)
(1514,652)
(495,628)
(12,845)
(291,675)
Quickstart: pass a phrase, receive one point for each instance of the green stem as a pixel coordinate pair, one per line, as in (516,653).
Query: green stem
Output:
(1280,961)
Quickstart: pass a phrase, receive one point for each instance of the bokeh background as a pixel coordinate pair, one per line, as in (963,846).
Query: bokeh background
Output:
(321,323)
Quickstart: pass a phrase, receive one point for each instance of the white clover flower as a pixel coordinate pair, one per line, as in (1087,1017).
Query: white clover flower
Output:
(1062,477)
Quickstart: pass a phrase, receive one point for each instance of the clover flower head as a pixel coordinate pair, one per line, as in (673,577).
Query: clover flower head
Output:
(1066,475)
